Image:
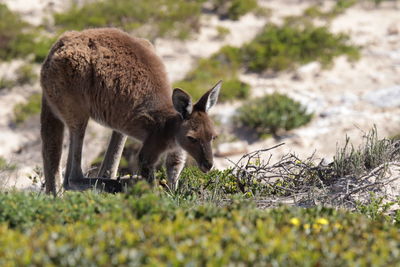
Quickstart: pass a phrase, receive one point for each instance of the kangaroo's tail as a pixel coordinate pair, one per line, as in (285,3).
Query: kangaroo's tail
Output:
(52,133)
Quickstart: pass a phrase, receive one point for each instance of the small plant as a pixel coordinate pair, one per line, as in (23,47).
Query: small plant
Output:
(26,75)
(222,32)
(6,166)
(271,114)
(23,111)
(6,83)
(375,208)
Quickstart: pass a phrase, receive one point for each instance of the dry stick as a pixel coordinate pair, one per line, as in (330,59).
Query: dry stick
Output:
(369,185)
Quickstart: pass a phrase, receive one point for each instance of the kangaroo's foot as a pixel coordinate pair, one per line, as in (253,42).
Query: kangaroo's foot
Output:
(102,184)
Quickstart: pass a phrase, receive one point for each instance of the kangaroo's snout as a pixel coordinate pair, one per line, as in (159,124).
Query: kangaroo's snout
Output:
(206,166)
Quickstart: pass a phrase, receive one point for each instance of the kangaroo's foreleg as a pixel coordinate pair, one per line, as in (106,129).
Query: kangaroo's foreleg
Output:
(52,133)
(148,157)
(69,164)
(174,163)
(109,166)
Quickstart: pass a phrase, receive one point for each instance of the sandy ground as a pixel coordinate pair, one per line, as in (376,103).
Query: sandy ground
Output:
(348,99)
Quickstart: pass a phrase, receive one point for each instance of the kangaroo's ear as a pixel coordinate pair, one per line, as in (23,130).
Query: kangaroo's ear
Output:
(182,103)
(209,99)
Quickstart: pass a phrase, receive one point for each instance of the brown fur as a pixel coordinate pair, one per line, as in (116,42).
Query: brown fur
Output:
(120,82)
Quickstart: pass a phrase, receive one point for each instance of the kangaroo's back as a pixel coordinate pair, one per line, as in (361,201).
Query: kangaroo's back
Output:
(105,73)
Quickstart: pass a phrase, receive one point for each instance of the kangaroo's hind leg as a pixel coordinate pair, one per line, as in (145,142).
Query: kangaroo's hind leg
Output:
(109,166)
(52,133)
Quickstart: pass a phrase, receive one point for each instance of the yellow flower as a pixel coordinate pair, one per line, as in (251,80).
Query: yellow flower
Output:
(307,226)
(322,221)
(317,227)
(295,221)
(338,226)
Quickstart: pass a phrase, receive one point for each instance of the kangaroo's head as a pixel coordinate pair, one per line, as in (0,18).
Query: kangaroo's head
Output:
(196,131)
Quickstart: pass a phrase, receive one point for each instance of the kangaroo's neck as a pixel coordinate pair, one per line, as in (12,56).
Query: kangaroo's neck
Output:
(159,124)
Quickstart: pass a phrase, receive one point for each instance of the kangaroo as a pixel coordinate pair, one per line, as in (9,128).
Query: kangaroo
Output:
(120,82)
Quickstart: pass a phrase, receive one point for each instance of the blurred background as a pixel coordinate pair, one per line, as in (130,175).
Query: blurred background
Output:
(306,73)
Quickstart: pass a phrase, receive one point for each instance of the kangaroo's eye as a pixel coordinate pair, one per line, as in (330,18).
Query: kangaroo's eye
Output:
(192,139)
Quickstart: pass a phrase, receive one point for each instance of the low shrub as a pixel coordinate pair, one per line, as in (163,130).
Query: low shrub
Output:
(18,39)
(233,9)
(222,32)
(144,228)
(222,65)
(350,160)
(12,36)
(170,18)
(26,75)
(6,83)
(296,42)
(25,110)
(271,114)
(5,165)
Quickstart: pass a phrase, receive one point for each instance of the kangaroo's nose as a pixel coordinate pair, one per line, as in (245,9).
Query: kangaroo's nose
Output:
(206,166)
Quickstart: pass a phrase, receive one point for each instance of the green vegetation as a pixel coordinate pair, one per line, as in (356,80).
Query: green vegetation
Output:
(6,83)
(212,219)
(233,9)
(18,39)
(151,228)
(170,18)
(13,40)
(23,111)
(5,165)
(276,48)
(373,153)
(296,42)
(272,113)
(222,65)
(25,75)
(222,32)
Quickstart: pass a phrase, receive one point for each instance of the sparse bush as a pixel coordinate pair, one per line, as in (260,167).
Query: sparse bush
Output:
(18,39)
(222,65)
(222,32)
(357,161)
(6,83)
(170,18)
(272,113)
(12,36)
(5,165)
(25,74)
(23,111)
(296,42)
(233,9)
